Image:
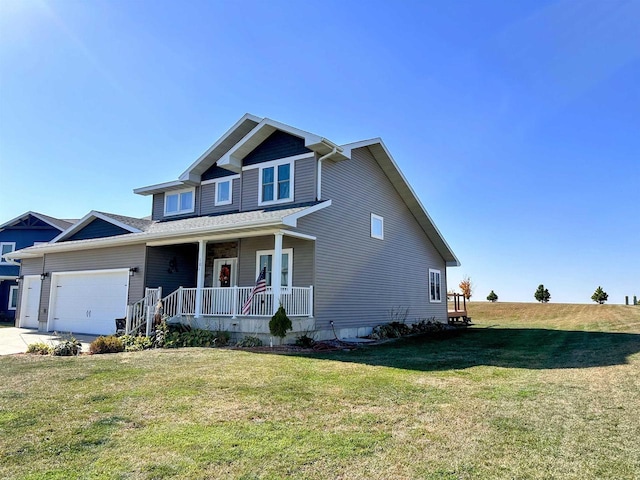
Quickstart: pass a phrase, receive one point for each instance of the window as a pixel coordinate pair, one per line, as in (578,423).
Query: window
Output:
(264,258)
(13,298)
(377,226)
(276,183)
(179,202)
(6,247)
(434,286)
(223,192)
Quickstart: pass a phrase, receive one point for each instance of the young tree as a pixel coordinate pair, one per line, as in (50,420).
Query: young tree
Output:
(466,286)
(600,296)
(492,297)
(542,294)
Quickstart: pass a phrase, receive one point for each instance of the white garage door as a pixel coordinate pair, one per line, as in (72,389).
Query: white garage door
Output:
(30,301)
(88,302)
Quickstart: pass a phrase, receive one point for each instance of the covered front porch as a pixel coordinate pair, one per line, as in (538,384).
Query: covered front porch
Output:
(210,282)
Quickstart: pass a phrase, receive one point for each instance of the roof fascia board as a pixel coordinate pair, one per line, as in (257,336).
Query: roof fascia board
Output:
(404,185)
(87,219)
(161,187)
(247,116)
(292,219)
(26,214)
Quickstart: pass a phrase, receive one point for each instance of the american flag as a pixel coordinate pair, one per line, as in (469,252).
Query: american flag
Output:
(261,287)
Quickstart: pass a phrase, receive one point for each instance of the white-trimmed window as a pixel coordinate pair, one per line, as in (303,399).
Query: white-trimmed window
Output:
(264,258)
(6,247)
(276,183)
(377,226)
(13,297)
(179,201)
(435,287)
(224,192)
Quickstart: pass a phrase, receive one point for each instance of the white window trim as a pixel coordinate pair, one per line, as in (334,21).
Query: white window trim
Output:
(4,260)
(225,202)
(377,217)
(285,289)
(220,179)
(11,290)
(179,192)
(431,299)
(274,164)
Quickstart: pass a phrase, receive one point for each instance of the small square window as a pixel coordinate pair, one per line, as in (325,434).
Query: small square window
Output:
(6,247)
(377,226)
(223,192)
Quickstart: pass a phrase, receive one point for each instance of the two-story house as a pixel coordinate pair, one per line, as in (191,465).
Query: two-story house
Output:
(340,235)
(28,229)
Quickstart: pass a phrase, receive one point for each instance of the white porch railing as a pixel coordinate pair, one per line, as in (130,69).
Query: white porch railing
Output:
(137,313)
(222,302)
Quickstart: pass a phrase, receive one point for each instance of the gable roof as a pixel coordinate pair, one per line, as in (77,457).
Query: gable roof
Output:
(389,166)
(240,140)
(130,224)
(56,223)
(255,221)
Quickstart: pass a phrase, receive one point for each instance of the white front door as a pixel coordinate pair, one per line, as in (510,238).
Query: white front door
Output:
(30,305)
(225,272)
(225,275)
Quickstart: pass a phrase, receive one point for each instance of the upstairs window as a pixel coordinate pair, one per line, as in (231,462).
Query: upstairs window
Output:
(178,202)
(434,286)
(276,184)
(6,247)
(223,192)
(377,226)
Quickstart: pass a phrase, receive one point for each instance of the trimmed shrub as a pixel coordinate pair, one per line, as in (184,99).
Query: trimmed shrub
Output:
(108,344)
(280,323)
(39,348)
(250,341)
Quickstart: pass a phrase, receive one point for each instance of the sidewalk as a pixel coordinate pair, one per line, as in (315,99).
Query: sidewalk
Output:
(15,340)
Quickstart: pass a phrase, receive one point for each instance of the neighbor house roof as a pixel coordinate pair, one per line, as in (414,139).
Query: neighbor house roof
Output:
(131,224)
(189,228)
(56,223)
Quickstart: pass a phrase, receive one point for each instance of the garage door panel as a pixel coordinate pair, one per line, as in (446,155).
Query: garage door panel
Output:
(89,302)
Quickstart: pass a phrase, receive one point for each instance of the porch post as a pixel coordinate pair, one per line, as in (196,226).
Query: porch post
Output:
(276,272)
(202,253)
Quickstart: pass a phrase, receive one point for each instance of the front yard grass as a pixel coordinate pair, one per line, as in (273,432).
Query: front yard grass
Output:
(525,393)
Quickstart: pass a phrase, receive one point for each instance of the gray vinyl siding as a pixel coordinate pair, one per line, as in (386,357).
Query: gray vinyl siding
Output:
(359,279)
(303,259)
(208,199)
(97,259)
(304,184)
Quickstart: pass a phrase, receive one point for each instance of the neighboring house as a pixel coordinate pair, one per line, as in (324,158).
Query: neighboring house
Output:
(349,239)
(28,229)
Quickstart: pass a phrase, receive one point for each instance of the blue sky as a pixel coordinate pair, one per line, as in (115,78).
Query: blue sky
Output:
(517,123)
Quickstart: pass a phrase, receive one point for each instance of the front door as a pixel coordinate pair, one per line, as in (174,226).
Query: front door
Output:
(30,305)
(225,275)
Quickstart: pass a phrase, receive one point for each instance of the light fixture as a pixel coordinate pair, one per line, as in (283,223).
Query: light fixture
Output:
(19,279)
(132,270)
(44,275)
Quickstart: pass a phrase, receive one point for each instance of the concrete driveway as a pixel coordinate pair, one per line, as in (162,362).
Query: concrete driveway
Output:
(15,340)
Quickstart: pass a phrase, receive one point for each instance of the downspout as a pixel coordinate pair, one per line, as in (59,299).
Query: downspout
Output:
(320,160)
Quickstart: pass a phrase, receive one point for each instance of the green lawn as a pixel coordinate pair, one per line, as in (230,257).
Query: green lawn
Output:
(531,391)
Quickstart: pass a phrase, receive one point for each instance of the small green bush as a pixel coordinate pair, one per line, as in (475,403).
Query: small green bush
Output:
(136,343)
(67,347)
(280,323)
(250,341)
(179,336)
(39,348)
(305,341)
(108,344)
(427,325)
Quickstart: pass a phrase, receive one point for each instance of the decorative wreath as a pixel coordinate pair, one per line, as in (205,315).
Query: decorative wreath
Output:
(224,274)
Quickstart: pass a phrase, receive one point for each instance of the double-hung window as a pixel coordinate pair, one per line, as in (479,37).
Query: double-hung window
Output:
(264,258)
(223,192)
(435,288)
(13,297)
(6,247)
(178,202)
(276,183)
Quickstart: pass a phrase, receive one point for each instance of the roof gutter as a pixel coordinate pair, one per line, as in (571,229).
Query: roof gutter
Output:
(334,149)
